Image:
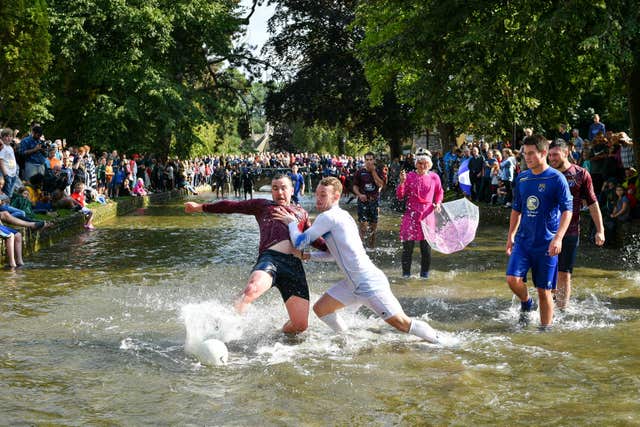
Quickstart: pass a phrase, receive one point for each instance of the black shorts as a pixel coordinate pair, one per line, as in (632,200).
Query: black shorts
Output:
(368,211)
(567,257)
(287,272)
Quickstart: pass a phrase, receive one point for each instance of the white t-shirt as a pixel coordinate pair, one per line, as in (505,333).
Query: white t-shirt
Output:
(340,232)
(8,157)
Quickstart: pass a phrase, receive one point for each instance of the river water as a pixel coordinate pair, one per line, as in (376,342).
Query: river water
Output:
(92,331)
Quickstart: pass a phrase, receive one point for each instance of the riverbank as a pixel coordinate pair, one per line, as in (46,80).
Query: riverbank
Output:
(64,226)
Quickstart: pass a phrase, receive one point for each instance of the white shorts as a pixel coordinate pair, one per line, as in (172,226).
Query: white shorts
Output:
(381,301)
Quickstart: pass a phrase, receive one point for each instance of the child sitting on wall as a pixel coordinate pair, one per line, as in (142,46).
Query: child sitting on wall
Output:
(13,242)
(79,196)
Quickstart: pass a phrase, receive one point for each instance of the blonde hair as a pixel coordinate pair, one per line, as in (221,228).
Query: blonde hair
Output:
(332,181)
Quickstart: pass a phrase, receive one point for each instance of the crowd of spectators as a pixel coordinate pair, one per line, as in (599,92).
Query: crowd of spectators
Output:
(40,176)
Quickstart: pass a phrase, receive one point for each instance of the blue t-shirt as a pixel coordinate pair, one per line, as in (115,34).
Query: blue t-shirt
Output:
(595,128)
(298,180)
(540,199)
(37,157)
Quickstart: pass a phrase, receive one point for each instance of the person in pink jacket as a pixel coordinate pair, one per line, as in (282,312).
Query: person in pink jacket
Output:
(423,192)
(139,189)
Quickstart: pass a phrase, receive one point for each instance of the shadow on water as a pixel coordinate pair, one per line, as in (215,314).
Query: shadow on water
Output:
(625,303)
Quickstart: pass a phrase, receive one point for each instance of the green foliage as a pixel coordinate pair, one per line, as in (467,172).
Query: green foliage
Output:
(257,97)
(319,138)
(486,65)
(133,75)
(315,42)
(24,60)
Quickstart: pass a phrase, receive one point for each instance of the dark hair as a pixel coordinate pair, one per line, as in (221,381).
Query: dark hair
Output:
(538,140)
(559,143)
(369,153)
(37,179)
(282,176)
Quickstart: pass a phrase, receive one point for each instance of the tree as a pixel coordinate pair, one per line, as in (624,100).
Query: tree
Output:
(314,42)
(24,60)
(145,75)
(488,64)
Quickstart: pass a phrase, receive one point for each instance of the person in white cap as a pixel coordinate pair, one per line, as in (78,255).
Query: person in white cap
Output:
(423,192)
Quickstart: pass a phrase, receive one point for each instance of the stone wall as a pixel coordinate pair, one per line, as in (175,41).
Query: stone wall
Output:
(63,227)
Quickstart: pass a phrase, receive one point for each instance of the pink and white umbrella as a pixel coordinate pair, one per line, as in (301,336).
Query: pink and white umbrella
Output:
(453,228)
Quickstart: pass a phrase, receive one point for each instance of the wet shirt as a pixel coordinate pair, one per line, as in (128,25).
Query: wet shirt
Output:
(540,199)
(272,231)
(340,232)
(581,188)
(367,185)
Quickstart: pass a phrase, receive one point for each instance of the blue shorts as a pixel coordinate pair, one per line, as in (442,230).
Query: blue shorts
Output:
(368,211)
(567,257)
(544,268)
(6,232)
(287,272)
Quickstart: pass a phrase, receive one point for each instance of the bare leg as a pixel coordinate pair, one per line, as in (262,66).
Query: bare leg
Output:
(259,283)
(9,243)
(416,327)
(372,234)
(518,287)
(325,308)
(6,217)
(564,289)
(400,321)
(545,297)
(326,305)
(298,309)
(17,249)
(362,228)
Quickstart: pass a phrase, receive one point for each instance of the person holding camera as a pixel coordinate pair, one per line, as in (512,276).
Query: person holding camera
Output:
(33,151)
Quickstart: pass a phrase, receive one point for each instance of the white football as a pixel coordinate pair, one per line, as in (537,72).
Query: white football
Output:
(212,352)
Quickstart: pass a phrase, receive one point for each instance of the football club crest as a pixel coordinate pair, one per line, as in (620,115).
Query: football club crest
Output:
(541,187)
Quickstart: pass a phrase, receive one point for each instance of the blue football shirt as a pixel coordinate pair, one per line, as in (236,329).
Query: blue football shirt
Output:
(540,199)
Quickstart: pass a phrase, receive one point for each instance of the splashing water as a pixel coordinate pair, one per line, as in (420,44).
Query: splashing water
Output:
(255,337)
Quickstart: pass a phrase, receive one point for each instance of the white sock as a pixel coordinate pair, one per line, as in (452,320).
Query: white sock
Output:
(423,330)
(335,322)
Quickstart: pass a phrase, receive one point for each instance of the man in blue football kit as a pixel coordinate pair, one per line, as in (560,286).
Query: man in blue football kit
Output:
(541,213)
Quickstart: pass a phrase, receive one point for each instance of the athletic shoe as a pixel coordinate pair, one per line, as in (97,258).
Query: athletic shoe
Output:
(406,276)
(545,328)
(528,306)
(424,274)
(525,310)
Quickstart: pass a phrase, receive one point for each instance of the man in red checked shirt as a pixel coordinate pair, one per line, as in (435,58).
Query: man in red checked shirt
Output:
(277,264)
